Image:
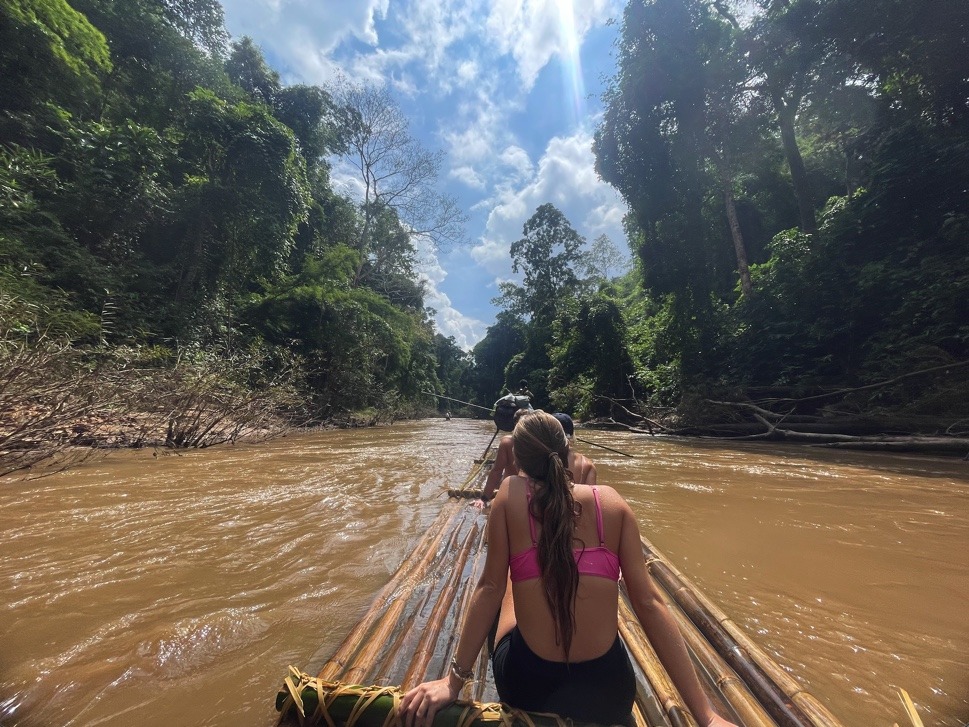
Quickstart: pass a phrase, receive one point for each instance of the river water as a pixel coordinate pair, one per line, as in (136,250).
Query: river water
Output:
(151,588)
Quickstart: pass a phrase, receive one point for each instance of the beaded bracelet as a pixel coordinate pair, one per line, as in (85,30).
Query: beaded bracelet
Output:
(464,675)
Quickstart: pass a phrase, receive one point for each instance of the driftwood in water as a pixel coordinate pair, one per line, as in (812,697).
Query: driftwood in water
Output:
(840,434)
(847,417)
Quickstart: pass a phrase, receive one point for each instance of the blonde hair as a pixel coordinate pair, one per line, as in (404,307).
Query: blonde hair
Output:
(542,452)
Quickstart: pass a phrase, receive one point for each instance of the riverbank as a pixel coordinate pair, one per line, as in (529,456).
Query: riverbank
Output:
(54,436)
(60,402)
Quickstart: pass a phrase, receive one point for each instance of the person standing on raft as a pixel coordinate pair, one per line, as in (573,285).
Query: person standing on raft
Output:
(558,647)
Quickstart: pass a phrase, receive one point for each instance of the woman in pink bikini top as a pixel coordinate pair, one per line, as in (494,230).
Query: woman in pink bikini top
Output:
(555,555)
(597,561)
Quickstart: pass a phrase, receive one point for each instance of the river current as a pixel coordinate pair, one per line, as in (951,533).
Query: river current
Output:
(153,588)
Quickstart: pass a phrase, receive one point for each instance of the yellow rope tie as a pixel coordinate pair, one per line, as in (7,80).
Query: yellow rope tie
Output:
(327,692)
(368,697)
(323,702)
(392,716)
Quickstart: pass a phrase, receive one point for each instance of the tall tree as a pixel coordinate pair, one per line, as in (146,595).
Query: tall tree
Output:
(491,355)
(548,257)
(247,67)
(395,171)
(794,66)
(240,210)
(654,140)
(604,260)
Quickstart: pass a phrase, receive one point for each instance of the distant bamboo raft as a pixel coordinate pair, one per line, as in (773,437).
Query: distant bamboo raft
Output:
(410,631)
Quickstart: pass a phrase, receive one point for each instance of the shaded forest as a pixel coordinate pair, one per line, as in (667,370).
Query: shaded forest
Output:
(176,267)
(797,178)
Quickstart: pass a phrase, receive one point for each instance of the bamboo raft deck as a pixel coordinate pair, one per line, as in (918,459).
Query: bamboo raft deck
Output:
(411,629)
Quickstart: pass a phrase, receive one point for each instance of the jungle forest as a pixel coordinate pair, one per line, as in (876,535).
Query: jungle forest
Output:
(176,267)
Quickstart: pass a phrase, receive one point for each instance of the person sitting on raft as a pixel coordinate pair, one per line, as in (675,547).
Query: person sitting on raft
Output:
(581,467)
(558,647)
(523,389)
(504,466)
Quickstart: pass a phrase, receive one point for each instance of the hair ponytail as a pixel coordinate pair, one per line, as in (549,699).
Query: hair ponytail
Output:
(541,450)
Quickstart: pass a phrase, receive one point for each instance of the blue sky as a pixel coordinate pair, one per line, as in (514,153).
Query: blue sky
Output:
(508,89)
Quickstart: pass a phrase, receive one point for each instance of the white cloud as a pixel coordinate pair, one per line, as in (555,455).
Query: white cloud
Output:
(449,321)
(517,161)
(468,176)
(533,31)
(305,32)
(464,71)
(565,176)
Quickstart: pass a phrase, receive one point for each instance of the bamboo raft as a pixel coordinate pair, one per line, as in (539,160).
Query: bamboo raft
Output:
(411,628)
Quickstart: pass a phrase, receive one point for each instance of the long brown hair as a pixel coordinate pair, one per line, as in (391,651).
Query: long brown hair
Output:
(542,452)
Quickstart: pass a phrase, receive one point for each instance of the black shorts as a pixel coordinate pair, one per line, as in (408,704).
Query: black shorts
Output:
(599,690)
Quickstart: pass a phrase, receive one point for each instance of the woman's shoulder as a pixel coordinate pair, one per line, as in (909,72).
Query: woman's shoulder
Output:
(608,496)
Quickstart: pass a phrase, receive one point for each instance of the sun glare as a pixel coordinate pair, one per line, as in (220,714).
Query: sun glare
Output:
(571,60)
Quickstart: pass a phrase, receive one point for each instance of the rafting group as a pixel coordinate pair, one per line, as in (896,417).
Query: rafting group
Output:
(546,584)
(547,601)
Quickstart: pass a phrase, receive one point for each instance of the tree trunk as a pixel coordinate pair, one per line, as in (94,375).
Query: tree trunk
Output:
(186,286)
(743,268)
(802,190)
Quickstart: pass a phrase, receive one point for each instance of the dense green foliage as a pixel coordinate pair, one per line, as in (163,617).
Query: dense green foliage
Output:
(796,177)
(796,173)
(173,194)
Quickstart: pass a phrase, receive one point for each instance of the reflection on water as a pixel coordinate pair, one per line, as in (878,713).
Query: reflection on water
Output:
(176,589)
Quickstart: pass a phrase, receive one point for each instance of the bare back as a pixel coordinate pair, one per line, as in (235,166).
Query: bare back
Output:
(582,469)
(596,606)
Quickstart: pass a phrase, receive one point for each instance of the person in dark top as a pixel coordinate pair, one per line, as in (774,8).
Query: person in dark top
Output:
(582,469)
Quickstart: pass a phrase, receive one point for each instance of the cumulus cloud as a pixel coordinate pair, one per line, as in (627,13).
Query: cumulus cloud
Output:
(305,32)
(564,176)
(448,320)
(534,31)
(464,71)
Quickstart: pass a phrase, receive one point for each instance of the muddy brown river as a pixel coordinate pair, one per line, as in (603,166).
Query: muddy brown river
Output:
(159,589)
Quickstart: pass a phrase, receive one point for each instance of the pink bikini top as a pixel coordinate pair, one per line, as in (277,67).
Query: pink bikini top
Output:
(598,561)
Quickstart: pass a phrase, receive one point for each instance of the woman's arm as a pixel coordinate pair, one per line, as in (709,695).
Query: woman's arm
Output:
(497,472)
(420,704)
(658,622)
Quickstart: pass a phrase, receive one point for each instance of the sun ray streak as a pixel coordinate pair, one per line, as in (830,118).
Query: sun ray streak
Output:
(571,61)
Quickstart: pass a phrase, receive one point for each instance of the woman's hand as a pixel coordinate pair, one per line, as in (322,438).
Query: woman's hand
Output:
(420,705)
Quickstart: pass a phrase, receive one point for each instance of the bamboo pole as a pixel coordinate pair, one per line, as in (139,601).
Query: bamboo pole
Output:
(478,688)
(428,544)
(439,596)
(365,660)
(772,687)
(642,651)
(704,672)
(646,708)
(445,600)
(732,689)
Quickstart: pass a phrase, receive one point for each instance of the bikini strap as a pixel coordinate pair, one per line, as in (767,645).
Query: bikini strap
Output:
(528,509)
(595,493)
